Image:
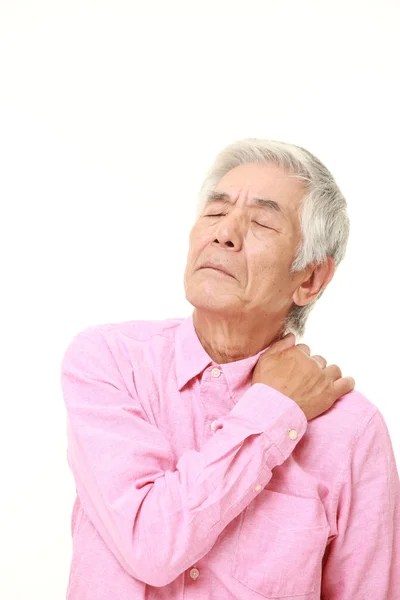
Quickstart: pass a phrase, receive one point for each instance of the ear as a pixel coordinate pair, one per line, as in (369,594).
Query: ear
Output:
(317,278)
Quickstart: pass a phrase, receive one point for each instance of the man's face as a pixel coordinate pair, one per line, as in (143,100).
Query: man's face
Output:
(257,244)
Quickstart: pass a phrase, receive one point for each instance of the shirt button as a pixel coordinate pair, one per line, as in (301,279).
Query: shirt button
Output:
(213,425)
(194,573)
(215,372)
(292,434)
(257,488)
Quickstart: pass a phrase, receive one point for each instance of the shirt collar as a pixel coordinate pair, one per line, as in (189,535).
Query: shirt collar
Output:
(191,359)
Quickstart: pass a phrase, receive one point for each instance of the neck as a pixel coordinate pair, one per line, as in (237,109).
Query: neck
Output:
(234,337)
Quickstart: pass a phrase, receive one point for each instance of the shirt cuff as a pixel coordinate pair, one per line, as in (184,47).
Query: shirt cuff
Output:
(274,413)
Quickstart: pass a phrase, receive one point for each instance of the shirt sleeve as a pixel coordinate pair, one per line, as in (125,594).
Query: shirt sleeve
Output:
(158,515)
(363,560)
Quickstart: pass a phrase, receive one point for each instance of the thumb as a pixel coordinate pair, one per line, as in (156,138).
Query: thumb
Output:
(287,341)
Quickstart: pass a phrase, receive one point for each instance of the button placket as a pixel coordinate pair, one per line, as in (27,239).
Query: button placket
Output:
(214,391)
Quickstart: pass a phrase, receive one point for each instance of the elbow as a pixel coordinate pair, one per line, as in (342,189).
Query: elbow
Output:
(155,576)
(151,568)
(161,580)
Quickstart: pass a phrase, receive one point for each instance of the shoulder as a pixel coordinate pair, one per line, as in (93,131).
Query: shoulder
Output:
(119,338)
(357,424)
(354,406)
(135,330)
(339,428)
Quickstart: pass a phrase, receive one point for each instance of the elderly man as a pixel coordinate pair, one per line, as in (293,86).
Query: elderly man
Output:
(215,458)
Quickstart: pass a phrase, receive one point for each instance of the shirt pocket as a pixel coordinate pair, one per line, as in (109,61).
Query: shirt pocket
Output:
(280,545)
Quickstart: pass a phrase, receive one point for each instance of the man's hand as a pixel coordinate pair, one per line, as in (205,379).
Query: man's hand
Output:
(306,379)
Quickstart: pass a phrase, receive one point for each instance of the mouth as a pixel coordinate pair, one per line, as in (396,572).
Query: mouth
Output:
(217,266)
(216,271)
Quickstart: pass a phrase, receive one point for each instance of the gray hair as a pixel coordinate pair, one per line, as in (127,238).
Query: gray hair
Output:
(323,214)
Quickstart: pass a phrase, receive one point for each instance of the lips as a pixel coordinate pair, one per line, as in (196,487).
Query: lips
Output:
(217,267)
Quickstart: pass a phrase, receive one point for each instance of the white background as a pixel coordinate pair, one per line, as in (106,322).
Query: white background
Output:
(111,113)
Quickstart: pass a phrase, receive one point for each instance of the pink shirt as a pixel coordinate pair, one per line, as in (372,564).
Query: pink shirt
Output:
(193,484)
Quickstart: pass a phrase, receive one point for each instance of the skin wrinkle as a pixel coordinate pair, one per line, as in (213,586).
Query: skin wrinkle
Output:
(266,203)
(236,317)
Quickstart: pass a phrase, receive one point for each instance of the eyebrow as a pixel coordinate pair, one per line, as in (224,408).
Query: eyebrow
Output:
(267,203)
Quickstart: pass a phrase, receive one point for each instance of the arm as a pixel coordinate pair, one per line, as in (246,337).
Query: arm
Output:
(156,515)
(363,561)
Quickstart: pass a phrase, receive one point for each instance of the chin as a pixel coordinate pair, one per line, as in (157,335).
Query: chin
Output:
(210,299)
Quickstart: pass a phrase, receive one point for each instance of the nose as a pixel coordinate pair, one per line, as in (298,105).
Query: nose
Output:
(228,233)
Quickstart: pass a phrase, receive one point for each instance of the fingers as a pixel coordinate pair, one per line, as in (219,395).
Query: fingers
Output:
(304,348)
(343,386)
(320,360)
(286,342)
(333,372)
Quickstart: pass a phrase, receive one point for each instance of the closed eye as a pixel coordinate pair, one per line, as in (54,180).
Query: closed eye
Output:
(266,226)
(256,222)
